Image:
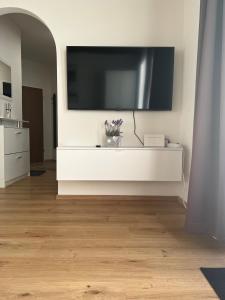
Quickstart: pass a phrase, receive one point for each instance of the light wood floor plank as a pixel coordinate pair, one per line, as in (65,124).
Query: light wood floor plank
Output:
(98,249)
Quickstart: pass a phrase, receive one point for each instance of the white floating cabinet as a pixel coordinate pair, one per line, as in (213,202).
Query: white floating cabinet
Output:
(119,164)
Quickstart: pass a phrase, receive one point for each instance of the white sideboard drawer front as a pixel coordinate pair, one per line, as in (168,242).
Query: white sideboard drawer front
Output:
(16,140)
(16,165)
(119,165)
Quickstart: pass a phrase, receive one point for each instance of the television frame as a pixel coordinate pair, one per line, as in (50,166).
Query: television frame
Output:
(118,109)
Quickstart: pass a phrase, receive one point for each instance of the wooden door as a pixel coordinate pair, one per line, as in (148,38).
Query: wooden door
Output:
(33,112)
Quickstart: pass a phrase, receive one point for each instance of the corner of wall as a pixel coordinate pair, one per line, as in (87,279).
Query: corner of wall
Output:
(190,50)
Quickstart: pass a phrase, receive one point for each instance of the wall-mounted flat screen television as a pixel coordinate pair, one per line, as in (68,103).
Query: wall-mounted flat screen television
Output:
(120,78)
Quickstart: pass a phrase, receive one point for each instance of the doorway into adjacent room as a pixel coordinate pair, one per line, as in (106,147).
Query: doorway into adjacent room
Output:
(39,89)
(38,55)
(32,101)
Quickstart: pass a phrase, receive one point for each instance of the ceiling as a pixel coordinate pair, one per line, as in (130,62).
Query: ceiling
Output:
(37,41)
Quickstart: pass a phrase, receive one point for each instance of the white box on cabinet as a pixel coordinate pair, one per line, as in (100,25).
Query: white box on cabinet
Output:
(154,140)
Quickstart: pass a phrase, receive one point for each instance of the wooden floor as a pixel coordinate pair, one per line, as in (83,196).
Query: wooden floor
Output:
(65,249)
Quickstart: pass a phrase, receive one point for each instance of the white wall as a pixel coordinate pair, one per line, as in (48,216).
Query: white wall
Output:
(190,46)
(10,54)
(123,23)
(38,75)
(135,23)
(128,23)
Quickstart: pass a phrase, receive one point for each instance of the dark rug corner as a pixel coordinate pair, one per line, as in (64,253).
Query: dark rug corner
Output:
(37,172)
(216,278)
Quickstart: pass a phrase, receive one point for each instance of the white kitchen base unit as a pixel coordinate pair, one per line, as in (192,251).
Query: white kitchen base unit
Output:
(119,164)
(14,154)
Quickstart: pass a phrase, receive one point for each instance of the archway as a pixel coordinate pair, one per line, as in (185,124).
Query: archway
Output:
(49,113)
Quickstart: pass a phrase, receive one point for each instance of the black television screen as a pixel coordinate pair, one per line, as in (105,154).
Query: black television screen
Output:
(120,78)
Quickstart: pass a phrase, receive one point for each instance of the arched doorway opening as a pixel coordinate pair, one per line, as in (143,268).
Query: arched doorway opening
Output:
(29,51)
